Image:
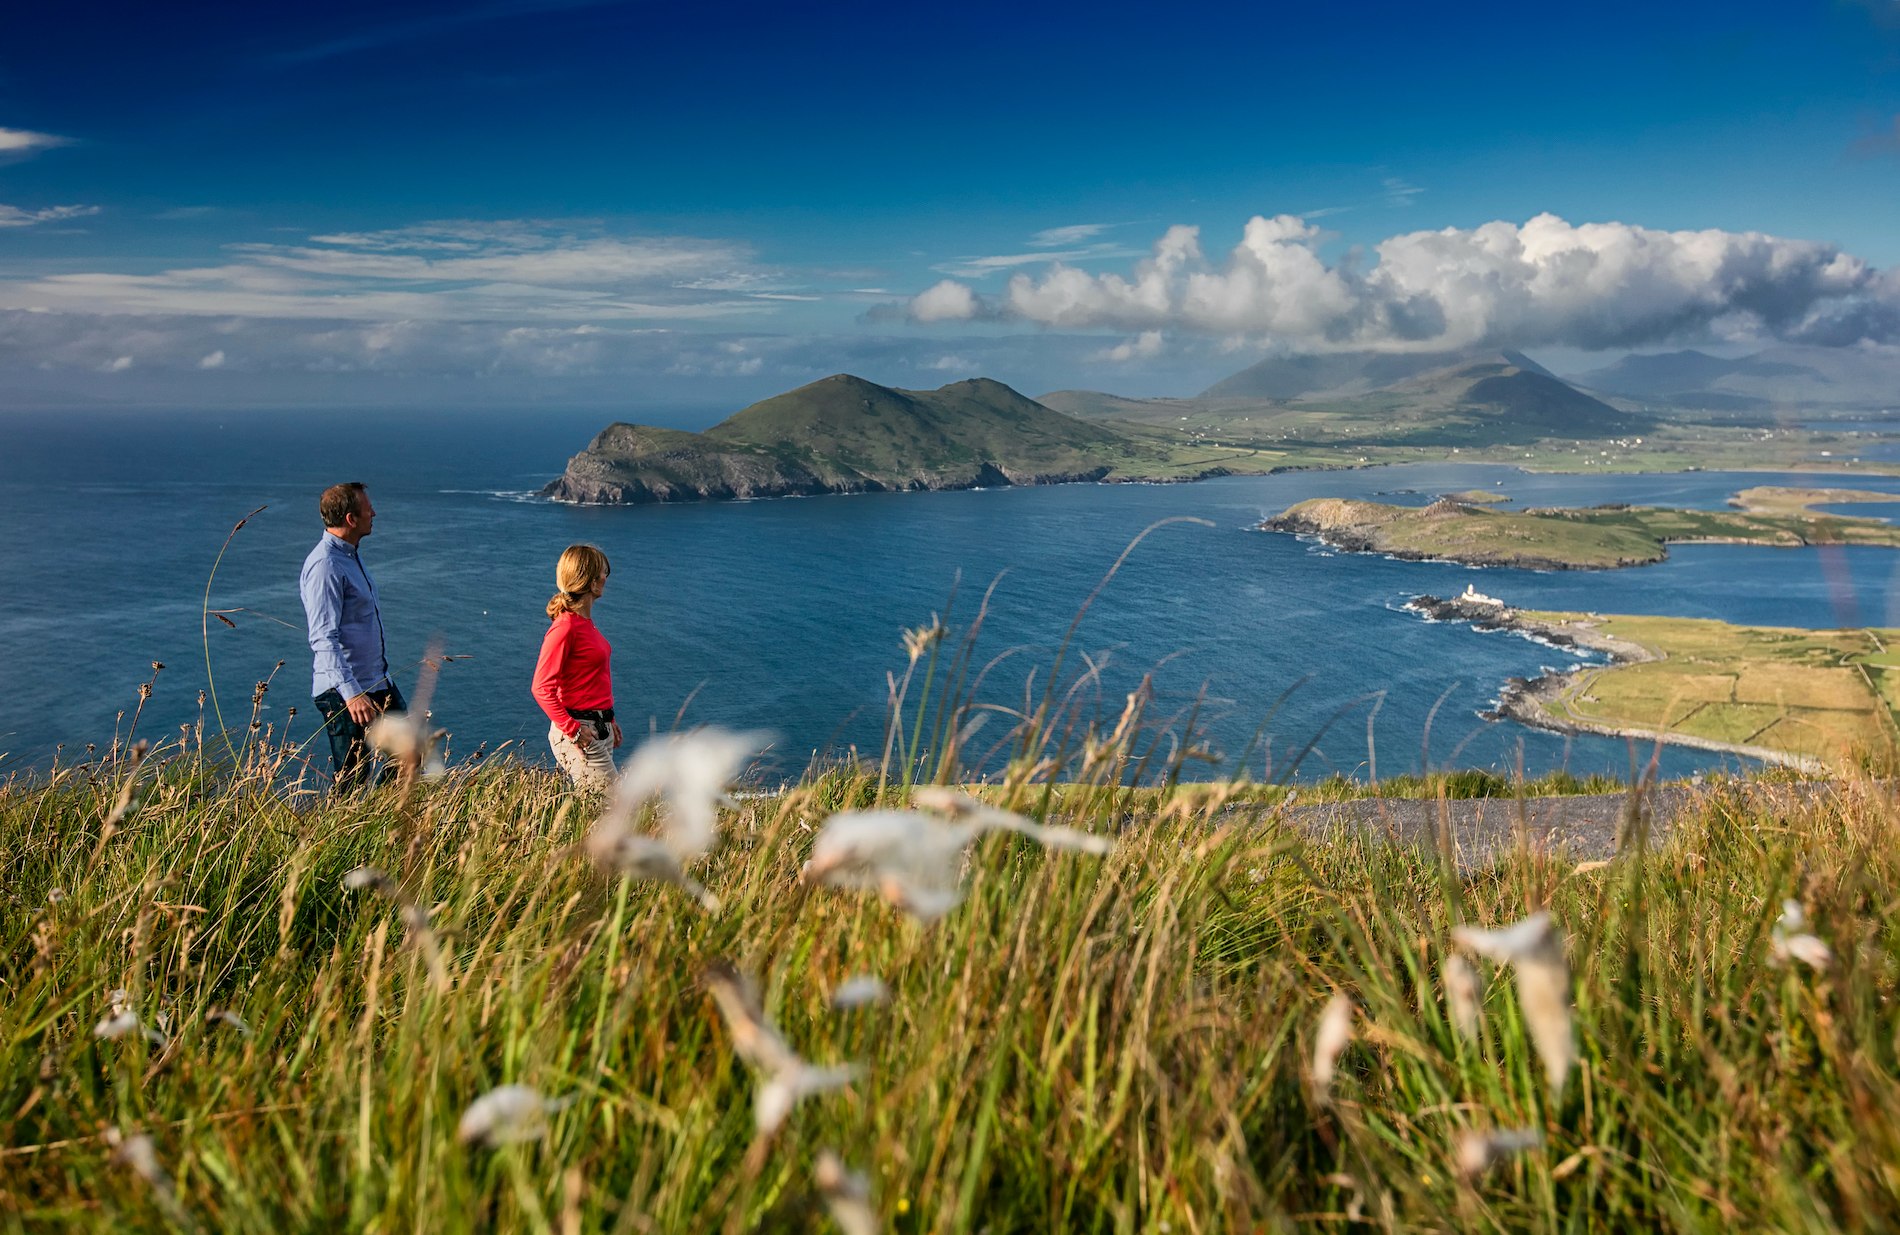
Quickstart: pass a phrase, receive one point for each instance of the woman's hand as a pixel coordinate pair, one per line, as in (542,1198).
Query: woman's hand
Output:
(616,728)
(583,737)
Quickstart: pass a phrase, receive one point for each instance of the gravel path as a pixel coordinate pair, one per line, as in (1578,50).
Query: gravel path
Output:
(1483,829)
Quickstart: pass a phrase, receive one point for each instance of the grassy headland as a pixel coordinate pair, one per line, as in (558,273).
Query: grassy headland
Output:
(1815,698)
(1560,538)
(846,435)
(1085,1044)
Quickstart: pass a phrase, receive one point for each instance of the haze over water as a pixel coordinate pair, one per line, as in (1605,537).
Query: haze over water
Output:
(787,614)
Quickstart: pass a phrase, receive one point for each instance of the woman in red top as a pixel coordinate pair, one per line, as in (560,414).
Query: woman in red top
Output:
(573,681)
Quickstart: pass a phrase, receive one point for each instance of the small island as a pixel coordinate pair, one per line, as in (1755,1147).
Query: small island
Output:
(843,434)
(1805,698)
(1588,538)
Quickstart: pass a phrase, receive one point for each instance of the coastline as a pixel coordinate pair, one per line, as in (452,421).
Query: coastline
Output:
(1524,700)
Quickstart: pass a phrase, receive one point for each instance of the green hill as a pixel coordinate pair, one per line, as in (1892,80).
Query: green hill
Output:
(843,434)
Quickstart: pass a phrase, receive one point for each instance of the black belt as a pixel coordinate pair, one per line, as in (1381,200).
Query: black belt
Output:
(604,715)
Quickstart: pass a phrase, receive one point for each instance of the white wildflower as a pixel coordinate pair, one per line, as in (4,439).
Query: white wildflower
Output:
(117,1025)
(1534,948)
(1477,1152)
(1464,995)
(506,1115)
(691,772)
(1329,1043)
(914,860)
(225,1016)
(137,1153)
(1789,939)
(859,991)
(787,1078)
(369,877)
(847,1194)
(408,739)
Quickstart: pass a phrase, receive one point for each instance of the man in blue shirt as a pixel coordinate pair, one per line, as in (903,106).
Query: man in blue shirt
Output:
(351,684)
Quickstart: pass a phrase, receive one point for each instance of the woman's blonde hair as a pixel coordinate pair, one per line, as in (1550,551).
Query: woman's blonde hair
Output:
(580,568)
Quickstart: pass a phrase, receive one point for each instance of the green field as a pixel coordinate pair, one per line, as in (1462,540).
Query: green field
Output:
(1826,695)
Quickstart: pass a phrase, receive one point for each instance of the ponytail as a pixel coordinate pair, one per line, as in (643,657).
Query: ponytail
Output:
(580,568)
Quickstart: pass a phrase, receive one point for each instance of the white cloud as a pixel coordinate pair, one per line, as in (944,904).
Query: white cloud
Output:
(119,364)
(14,216)
(1062,237)
(1543,282)
(212,360)
(454,271)
(1143,346)
(950,364)
(948,301)
(978,267)
(24,144)
(1398,192)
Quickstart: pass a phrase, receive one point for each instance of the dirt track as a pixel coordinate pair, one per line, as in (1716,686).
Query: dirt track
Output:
(1583,825)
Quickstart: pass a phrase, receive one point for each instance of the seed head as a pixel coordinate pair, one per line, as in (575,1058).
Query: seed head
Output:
(1329,1043)
(1464,995)
(1534,948)
(1477,1152)
(508,1115)
(859,991)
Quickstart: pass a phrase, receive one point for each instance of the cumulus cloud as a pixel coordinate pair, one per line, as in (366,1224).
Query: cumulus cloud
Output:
(948,301)
(212,360)
(1546,281)
(15,216)
(1144,346)
(453,271)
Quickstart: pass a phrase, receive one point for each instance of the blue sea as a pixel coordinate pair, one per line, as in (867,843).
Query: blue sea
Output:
(788,615)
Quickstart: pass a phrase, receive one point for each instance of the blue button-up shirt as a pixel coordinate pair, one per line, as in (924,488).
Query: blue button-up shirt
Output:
(346,627)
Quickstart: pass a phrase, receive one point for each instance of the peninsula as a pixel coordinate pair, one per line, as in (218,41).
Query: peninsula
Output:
(1588,538)
(843,434)
(1806,698)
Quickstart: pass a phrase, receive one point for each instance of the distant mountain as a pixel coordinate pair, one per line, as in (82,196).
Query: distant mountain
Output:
(1510,388)
(1332,375)
(1788,378)
(843,434)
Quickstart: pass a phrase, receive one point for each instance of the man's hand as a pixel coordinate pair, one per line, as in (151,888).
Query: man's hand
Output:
(616,725)
(362,709)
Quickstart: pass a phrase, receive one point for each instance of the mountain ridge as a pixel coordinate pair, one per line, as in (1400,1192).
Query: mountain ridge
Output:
(845,434)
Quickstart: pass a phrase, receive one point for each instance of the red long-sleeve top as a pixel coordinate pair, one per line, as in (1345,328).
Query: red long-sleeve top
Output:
(573,671)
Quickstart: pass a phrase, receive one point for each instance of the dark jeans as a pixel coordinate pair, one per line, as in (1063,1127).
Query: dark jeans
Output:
(349,753)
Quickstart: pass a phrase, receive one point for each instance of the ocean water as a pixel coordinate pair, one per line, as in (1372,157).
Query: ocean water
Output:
(787,614)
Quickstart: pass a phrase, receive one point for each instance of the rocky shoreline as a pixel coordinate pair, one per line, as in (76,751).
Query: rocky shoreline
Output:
(585,490)
(1525,700)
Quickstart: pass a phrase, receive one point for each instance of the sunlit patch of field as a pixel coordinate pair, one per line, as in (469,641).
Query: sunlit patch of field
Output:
(1819,694)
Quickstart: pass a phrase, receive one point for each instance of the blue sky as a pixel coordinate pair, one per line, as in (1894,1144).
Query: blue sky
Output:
(670,206)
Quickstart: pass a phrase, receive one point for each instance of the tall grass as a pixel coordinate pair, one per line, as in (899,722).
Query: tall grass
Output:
(1107,1045)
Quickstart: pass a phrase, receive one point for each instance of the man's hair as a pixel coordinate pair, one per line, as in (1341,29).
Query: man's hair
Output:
(339,502)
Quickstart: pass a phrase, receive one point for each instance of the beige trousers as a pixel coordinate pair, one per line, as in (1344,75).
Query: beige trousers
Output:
(592,768)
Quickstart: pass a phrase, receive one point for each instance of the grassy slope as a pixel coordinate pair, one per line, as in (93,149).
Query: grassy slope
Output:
(1087,1045)
(1827,694)
(1592,538)
(843,424)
